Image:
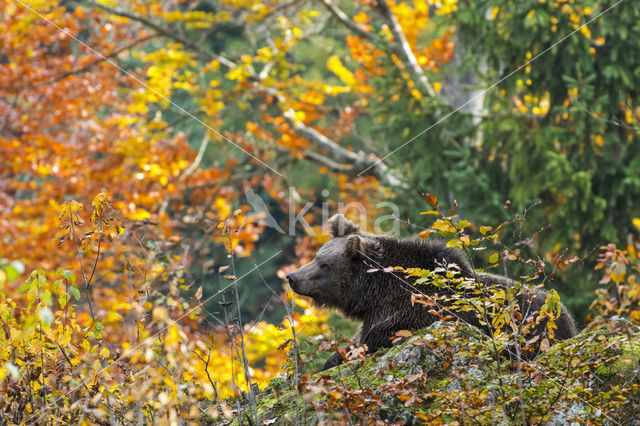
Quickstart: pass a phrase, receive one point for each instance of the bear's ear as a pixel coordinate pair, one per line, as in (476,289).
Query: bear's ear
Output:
(361,247)
(339,226)
(354,246)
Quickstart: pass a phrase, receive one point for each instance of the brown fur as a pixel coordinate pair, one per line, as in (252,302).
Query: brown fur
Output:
(337,278)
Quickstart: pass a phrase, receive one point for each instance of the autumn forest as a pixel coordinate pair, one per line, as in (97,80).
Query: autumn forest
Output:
(164,165)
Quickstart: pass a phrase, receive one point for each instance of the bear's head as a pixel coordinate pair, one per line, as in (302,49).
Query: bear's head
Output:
(326,279)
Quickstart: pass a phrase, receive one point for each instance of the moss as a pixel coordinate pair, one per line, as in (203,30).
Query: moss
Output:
(621,370)
(409,356)
(623,354)
(271,404)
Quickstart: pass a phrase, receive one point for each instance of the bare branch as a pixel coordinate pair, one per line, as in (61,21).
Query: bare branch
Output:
(403,50)
(188,171)
(357,161)
(333,165)
(348,22)
(196,162)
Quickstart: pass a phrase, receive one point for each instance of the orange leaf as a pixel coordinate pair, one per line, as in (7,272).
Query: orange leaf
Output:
(431,199)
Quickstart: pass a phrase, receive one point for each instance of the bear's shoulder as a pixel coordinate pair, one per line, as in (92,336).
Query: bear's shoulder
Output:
(421,252)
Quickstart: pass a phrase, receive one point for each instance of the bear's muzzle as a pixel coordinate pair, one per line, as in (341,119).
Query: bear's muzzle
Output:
(293,281)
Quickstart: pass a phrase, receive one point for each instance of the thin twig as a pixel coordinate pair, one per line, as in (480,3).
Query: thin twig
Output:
(42,372)
(72,367)
(230,333)
(84,276)
(245,360)
(95,264)
(206,370)
(519,375)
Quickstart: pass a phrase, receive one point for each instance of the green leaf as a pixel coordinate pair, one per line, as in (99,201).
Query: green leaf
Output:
(57,284)
(97,331)
(74,290)
(45,296)
(494,258)
(28,285)
(68,275)
(12,273)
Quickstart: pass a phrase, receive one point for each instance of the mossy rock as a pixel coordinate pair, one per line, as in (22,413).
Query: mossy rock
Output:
(413,357)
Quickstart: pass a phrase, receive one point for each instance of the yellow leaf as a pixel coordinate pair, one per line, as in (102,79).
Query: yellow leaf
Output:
(104,352)
(300,116)
(335,65)
(113,317)
(173,336)
(618,272)
(139,214)
(485,229)
(454,243)
(334,90)
(160,314)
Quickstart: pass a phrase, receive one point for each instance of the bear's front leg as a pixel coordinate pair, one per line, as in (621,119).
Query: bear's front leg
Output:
(335,359)
(376,338)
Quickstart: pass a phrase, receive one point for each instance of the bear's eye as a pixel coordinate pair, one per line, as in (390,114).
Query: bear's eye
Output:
(324,266)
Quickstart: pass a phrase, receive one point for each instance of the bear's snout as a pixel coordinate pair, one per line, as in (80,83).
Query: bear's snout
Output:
(292,281)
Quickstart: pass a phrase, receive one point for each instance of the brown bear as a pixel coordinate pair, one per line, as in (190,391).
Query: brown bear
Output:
(340,277)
